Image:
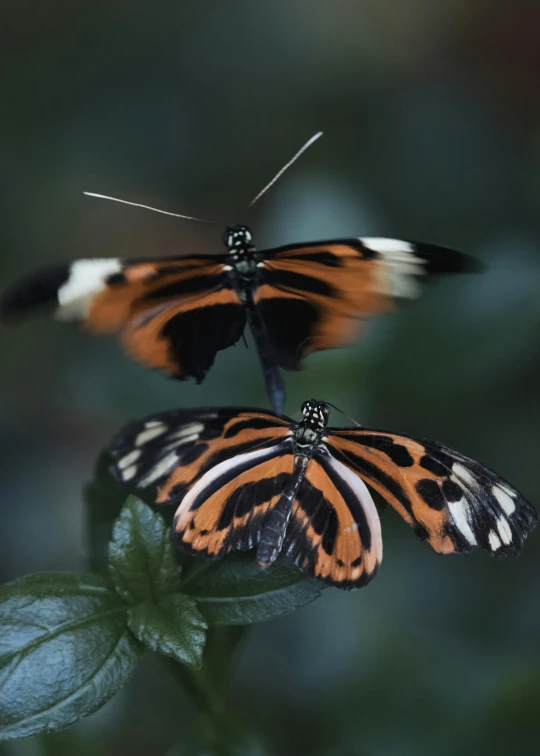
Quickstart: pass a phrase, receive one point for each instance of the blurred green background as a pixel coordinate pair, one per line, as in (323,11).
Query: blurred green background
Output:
(431,116)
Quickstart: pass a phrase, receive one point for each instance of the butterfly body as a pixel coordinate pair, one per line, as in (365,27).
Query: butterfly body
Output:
(307,436)
(243,478)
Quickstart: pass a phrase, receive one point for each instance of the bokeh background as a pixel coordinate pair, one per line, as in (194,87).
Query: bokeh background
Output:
(431,117)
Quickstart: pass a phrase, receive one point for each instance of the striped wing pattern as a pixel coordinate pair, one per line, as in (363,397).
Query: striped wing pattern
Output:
(312,296)
(228,472)
(174,314)
(452,501)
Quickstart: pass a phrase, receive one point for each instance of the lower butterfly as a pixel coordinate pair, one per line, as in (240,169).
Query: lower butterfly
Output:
(245,478)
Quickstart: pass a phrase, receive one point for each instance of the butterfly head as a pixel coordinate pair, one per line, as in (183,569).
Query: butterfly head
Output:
(316,413)
(237,237)
(242,254)
(314,420)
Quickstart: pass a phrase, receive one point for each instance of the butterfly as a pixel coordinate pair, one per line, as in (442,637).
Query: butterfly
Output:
(245,478)
(175,313)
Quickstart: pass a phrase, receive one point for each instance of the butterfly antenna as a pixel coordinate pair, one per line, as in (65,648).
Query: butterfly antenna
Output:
(147,207)
(344,414)
(288,165)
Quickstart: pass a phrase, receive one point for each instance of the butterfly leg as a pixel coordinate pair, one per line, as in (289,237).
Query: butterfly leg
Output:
(276,525)
(272,377)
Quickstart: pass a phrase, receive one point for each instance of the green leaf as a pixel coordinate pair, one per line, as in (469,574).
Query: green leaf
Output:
(235,591)
(142,558)
(65,649)
(174,628)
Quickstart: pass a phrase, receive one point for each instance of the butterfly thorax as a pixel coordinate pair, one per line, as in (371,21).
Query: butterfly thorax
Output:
(243,257)
(309,431)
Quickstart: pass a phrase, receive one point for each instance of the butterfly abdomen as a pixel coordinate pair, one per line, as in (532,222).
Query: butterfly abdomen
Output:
(275,527)
(274,532)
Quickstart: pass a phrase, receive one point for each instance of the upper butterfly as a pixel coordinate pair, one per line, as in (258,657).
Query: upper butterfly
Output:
(245,477)
(176,313)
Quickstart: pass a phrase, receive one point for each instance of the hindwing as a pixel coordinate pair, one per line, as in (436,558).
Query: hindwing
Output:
(334,533)
(228,506)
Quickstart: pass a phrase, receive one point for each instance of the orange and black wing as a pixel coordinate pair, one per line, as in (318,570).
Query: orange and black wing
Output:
(172,314)
(452,501)
(224,468)
(334,531)
(311,296)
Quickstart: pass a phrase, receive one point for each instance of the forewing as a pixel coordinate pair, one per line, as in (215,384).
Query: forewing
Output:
(312,296)
(334,532)
(452,501)
(169,451)
(172,314)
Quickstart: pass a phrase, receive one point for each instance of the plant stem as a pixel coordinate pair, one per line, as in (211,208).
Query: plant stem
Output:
(194,684)
(216,727)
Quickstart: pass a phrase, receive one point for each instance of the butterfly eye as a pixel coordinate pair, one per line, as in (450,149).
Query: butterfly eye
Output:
(228,237)
(305,407)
